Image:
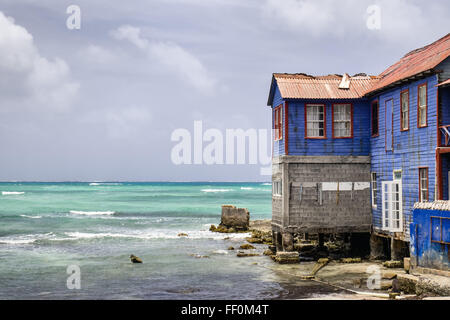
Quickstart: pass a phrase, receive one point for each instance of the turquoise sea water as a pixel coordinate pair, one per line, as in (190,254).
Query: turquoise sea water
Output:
(45,227)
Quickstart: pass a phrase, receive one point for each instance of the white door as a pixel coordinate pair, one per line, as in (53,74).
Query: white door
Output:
(392,212)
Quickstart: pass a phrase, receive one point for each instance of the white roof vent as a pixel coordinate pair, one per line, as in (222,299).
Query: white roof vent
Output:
(345,82)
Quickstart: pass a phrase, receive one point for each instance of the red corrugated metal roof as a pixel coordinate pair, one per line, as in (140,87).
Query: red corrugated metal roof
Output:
(415,62)
(301,86)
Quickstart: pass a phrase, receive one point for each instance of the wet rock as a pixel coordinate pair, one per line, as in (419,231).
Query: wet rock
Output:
(385,284)
(230,248)
(246,246)
(242,254)
(285,257)
(322,262)
(351,260)
(393,264)
(389,275)
(254,240)
(199,256)
(237,218)
(407,283)
(268,252)
(135,259)
(182,234)
(213,228)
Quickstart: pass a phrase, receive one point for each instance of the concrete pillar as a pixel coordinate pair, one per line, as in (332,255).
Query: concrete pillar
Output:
(288,241)
(397,252)
(376,247)
(278,241)
(321,240)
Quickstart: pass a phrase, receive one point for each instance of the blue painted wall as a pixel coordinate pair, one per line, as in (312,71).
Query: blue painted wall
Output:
(411,149)
(424,252)
(359,145)
(278,146)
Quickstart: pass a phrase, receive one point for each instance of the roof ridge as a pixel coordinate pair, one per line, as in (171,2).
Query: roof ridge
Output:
(444,38)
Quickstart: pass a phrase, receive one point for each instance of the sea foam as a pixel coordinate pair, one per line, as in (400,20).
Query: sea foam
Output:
(5,193)
(92,213)
(216,190)
(31,217)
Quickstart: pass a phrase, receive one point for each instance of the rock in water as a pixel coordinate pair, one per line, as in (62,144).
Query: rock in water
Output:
(135,259)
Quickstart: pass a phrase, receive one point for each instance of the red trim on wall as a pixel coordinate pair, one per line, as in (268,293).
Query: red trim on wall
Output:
(324,121)
(278,125)
(286,128)
(401,110)
(426,106)
(438,119)
(428,183)
(378,118)
(351,121)
(440,185)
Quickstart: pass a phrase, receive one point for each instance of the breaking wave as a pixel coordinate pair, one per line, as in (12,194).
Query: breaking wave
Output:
(5,193)
(92,213)
(31,217)
(216,190)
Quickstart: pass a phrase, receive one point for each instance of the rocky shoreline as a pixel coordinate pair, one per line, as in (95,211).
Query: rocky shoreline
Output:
(310,272)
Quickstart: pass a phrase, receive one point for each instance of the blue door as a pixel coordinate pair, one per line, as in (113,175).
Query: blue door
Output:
(389,120)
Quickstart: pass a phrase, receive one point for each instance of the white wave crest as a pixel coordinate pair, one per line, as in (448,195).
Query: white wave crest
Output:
(31,217)
(92,213)
(5,193)
(216,190)
(220,251)
(246,188)
(105,184)
(266,184)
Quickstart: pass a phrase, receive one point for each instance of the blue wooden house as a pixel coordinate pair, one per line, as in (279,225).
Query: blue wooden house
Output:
(352,154)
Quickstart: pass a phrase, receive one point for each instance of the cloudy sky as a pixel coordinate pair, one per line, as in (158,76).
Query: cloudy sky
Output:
(101,102)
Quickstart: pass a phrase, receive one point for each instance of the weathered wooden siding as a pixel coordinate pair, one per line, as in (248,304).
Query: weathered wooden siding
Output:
(411,149)
(444,66)
(359,145)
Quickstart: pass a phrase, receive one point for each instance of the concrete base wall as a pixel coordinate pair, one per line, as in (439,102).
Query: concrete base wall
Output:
(322,194)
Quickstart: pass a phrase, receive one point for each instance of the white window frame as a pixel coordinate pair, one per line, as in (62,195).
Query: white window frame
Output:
(404,124)
(314,121)
(277,188)
(339,117)
(392,202)
(423,188)
(374,189)
(422,109)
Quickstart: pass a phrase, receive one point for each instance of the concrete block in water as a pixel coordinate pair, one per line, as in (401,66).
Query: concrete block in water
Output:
(237,218)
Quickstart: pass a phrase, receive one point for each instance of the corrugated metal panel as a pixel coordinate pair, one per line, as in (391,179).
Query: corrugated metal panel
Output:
(302,86)
(444,83)
(415,62)
(326,87)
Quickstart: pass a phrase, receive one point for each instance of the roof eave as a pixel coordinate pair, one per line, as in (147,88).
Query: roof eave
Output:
(415,77)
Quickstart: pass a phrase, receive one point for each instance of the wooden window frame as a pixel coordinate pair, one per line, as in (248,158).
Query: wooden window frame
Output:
(277,188)
(401,110)
(377,102)
(426,105)
(373,191)
(420,184)
(278,122)
(385,125)
(351,121)
(324,121)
